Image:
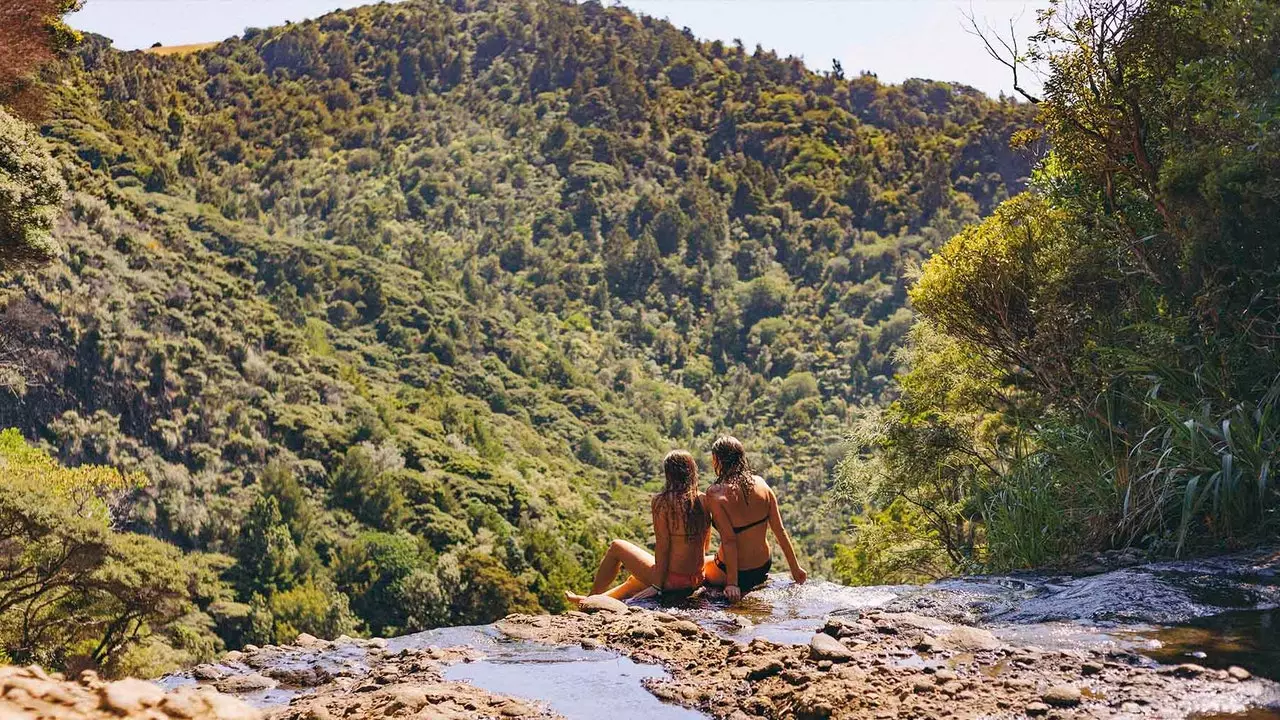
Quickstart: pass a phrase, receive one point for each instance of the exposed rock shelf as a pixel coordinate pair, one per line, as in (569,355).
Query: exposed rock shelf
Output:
(1024,646)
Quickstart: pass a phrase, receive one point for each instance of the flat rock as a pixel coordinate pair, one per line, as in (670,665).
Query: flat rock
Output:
(603,603)
(1239,673)
(824,647)
(687,628)
(208,672)
(963,637)
(1188,670)
(1062,696)
(245,683)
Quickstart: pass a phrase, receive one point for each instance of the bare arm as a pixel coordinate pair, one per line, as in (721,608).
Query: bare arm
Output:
(784,540)
(728,546)
(662,548)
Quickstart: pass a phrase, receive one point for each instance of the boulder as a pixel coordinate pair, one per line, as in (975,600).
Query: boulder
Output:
(963,637)
(130,696)
(308,640)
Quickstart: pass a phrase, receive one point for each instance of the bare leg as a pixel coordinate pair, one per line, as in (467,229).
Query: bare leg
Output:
(627,589)
(638,561)
(622,554)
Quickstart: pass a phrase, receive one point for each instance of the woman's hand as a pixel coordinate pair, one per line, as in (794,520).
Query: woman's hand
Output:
(732,593)
(799,575)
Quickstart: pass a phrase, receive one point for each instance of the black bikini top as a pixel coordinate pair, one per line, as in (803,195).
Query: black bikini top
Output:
(748,526)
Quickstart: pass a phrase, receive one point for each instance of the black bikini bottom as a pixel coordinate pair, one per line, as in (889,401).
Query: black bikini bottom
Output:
(749,580)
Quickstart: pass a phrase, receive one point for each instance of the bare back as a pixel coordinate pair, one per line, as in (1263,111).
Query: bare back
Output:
(688,545)
(749,515)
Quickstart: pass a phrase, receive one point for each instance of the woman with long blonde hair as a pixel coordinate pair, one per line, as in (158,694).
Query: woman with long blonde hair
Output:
(744,510)
(682,527)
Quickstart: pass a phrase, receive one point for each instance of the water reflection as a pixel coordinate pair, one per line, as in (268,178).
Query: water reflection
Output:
(1250,639)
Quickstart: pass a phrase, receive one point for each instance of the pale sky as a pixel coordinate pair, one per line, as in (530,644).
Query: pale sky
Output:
(896,39)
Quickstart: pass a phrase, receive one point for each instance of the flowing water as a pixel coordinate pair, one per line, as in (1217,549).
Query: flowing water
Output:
(1218,613)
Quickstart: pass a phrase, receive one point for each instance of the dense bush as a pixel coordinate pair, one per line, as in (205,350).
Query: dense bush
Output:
(75,592)
(1096,363)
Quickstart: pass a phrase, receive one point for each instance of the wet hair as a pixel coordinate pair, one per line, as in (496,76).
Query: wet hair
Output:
(679,497)
(732,468)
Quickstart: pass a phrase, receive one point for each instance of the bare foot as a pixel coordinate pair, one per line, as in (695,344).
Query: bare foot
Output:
(574,598)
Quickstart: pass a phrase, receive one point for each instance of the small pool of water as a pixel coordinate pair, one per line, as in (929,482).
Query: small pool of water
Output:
(1248,638)
(576,683)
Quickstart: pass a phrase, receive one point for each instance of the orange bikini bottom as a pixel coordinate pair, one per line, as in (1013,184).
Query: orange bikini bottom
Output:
(682,581)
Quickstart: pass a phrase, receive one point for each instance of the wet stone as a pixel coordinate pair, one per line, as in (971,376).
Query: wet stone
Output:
(1239,673)
(245,683)
(208,672)
(1188,670)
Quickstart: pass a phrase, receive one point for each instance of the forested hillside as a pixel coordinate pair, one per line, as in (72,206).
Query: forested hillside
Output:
(400,308)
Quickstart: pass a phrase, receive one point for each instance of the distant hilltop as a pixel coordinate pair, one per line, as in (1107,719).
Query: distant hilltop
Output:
(179,49)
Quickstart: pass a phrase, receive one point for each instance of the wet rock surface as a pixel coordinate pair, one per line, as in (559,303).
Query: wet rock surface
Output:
(1155,593)
(1015,646)
(31,693)
(884,675)
(316,679)
(409,683)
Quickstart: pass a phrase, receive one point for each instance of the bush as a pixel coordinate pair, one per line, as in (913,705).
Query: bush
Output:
(31,190)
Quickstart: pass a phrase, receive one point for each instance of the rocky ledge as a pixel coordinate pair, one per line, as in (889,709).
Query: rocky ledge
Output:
(894,665)
(32,693)
(408,683)
(354,678)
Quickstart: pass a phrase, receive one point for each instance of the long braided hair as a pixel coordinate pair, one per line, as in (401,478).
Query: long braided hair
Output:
(679,498)
(732,467)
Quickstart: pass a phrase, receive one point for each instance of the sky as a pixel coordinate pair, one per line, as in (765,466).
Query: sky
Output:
(896,39)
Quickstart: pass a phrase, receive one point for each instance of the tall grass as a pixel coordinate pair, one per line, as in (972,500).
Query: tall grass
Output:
(1203,473)
(1055,501)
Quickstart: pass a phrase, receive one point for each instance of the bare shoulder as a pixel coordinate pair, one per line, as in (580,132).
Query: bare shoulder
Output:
(715,496)
(763,489)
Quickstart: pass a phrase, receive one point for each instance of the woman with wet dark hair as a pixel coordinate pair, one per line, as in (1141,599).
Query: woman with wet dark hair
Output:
(744,510)
(682,527)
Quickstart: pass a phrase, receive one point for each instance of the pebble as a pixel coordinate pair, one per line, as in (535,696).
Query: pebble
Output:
(1239,673)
